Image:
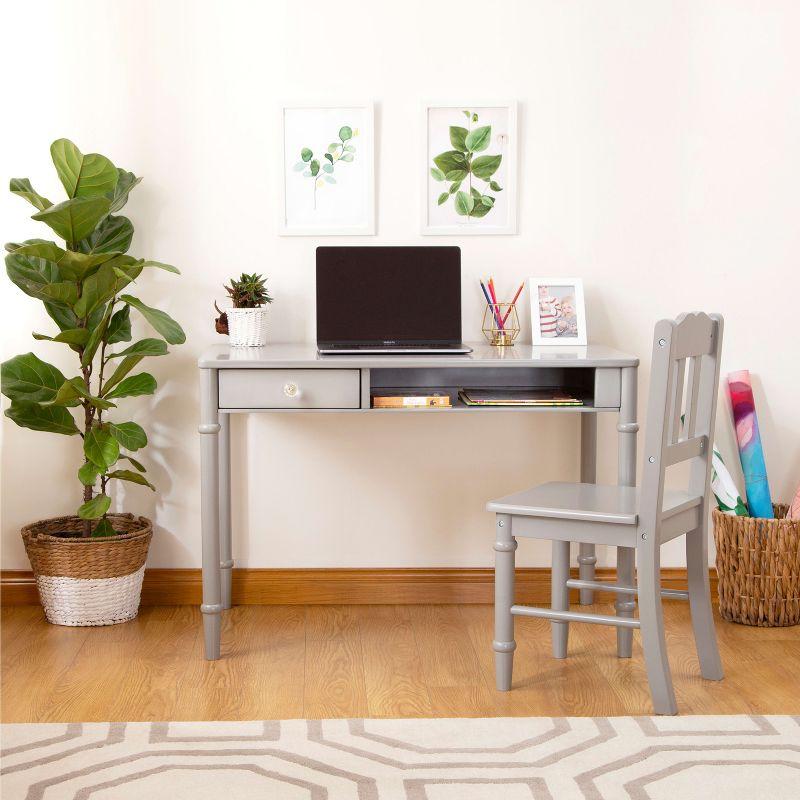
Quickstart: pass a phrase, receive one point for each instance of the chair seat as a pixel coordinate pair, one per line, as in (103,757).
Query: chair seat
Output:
(589,502)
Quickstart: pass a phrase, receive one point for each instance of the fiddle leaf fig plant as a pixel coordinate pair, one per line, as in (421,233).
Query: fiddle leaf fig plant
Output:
(81,284)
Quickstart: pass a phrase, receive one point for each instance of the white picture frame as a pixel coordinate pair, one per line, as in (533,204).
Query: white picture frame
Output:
(558,312)
(444,219)
(316,208)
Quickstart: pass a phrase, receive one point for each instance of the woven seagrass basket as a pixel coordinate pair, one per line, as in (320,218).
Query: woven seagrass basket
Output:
(758,568)
(93,581)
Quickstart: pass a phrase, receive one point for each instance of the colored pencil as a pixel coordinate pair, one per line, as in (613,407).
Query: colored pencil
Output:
(496,306)
(516,297)
(489,303)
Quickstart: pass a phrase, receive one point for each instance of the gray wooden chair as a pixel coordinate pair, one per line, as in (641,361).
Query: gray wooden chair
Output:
(626,517)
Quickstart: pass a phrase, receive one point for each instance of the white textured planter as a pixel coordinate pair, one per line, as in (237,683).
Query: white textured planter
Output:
(247,327)
(82,602)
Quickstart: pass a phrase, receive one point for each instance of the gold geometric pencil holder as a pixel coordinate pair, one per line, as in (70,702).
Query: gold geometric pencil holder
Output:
(500,324)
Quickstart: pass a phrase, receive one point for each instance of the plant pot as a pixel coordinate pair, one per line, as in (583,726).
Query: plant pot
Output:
(92,581)
(247,327)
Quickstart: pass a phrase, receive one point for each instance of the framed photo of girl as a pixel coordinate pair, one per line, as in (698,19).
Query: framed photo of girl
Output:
(558,312)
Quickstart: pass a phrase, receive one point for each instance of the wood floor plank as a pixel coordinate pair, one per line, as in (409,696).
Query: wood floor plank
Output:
(352,661)
(334,664)
(393,676)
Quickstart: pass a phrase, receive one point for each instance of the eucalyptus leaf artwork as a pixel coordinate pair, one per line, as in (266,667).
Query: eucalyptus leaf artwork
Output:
(467,169)
(82,287)
(470,181)
(321,171)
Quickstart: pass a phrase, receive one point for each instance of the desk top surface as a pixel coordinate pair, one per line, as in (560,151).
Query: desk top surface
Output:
(304,356)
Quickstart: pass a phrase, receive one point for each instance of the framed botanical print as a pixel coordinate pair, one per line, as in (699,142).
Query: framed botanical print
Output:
(328,179)
(558,311)
(470,173)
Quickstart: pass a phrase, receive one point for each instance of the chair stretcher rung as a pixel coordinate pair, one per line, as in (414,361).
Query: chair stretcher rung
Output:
(599,586)
(574,616)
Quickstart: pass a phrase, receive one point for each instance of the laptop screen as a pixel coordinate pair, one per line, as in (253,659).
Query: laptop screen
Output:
(388,295)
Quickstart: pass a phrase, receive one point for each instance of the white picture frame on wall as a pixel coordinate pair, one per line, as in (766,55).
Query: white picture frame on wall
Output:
(478,202)
(558,312)
(327,181)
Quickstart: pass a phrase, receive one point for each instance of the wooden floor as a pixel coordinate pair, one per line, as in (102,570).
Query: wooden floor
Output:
(366,661)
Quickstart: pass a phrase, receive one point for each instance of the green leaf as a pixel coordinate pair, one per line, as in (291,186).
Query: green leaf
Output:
(479,139)
(306,154)
(88,473)
(110,278)
(161,321)
(347,157)
(449,160)
(82,175)
(134,385)
(95,508)
(75,388)
(464,203)
(53,419)
(130,435)
(314,167)
(456,175)
(132,477)
(78,266)
(349,148)
(63,293)
(334,146)
(112,235)
(73,220)
(487,201)
(442,198)
(137,464)
(32,274)
(22,188)
(454,187)
(345,133)
(474,117)
(327,168)
(119,326)
(103,528)
(96,337)
(41,248)
(28,378)
(484,167)
(125,182)
(437,174)
(465,113)
(329,157)
(495,186)
(458,137)
(101,447)
(475,193)
(125,366)
(144,347)
(480,210)
(76,336)
(330,179)
(159,265)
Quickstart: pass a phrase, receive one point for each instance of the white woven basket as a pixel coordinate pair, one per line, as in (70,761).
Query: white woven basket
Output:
(80,602)
(247,327)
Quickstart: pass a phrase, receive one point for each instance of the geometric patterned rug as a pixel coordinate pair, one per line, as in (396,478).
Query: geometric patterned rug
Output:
(539,758)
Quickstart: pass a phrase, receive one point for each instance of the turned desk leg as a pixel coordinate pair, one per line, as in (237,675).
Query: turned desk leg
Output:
(627,428)
(209,428)
(225,545)
(586,552)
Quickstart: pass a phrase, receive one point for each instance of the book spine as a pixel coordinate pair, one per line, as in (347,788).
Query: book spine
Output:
(434,401)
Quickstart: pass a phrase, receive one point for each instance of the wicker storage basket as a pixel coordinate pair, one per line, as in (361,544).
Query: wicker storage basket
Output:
(758,568)
(247,327)
(94,581)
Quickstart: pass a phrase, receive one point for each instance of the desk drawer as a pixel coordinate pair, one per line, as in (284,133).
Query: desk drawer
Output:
(289,388)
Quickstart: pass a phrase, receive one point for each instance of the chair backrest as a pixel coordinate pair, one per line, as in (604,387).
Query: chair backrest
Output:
(681,407)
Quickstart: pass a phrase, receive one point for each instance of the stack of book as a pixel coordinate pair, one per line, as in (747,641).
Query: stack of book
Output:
(518,397)
(411,400)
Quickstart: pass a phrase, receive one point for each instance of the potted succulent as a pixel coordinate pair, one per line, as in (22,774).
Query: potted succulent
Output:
(89,566)
(246,322)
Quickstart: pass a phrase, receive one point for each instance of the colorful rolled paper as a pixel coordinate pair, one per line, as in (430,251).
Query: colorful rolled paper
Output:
(751,452)
(729,500)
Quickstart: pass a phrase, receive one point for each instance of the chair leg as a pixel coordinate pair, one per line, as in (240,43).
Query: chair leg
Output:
(559,596)
(654,644)
(625,604)
(503,644)
(705,636)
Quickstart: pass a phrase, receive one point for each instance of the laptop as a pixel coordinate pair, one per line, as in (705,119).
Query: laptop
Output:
(389,300)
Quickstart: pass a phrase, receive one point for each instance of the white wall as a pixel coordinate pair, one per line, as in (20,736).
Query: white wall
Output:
(659,159)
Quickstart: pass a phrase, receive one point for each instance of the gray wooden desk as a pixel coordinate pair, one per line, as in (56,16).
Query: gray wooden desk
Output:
(293,378)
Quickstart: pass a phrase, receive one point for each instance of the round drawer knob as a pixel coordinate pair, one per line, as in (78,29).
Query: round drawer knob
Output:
(291,390)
